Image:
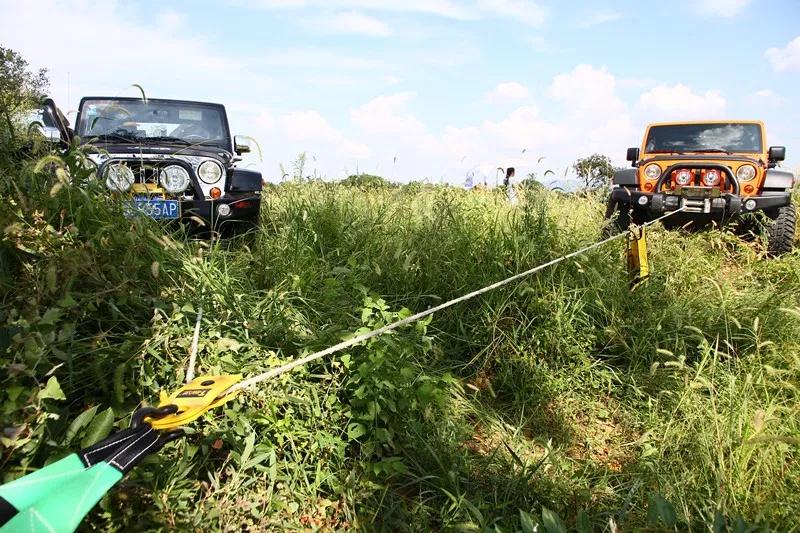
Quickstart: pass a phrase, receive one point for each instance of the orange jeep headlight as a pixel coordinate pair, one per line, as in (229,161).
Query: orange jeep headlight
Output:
(652,171)
(746,172)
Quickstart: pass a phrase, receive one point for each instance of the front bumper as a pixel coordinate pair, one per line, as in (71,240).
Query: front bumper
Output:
(243,207)
(700,200)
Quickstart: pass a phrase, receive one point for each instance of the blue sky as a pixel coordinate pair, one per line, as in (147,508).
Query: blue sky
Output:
(414,89)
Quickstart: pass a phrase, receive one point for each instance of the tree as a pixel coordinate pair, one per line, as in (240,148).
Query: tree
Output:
(21,89)
(594,171)
(365,180)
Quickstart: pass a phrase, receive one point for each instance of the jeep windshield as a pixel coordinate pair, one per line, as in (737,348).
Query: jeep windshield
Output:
(704,138)
(134,121)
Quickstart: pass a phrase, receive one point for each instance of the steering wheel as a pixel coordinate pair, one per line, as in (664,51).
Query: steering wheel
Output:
(191,132)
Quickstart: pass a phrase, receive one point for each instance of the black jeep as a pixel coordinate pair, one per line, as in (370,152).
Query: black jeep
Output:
(172,159)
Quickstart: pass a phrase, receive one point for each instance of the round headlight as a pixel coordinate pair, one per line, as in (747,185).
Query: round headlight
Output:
(683,177)
(711,177)
(746,172)
(119,177)
(209,172)
(652,172)
(174,179)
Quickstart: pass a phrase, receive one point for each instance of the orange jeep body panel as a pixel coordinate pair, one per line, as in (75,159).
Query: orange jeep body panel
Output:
(760,165)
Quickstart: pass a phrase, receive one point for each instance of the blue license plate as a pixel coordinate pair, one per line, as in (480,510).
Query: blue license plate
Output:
(154,208)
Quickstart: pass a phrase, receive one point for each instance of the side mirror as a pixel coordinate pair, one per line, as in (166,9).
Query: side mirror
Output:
(777,153)
(632,156)
(58,119)
(241,145)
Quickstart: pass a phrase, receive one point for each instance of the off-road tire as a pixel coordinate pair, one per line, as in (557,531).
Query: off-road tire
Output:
(780,239)
(617,218)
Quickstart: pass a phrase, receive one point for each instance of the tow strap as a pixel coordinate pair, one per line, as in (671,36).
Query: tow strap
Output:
(58,496)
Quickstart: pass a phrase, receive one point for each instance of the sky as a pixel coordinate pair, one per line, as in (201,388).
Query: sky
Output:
(429,89)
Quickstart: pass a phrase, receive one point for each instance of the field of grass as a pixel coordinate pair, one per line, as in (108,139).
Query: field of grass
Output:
(565,400)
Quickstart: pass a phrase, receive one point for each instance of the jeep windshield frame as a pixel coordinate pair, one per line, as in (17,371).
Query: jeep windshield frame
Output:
(153,122)
(705,138)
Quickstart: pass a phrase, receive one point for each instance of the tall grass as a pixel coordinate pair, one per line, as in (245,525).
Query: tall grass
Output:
(565,395)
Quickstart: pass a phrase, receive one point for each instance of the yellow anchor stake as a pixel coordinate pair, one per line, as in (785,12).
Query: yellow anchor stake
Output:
(638,266)
(194,399)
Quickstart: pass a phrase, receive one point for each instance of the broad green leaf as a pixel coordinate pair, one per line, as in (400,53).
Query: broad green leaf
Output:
(224,344)
(719,522)
(79,423)
(552,522)
(249,445)
(527,523)
(583,524)
(355,430)
(99,429)
(660,509)
(50,316)
(52,390)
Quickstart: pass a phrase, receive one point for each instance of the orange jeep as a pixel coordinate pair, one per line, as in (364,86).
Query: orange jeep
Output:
(715,170)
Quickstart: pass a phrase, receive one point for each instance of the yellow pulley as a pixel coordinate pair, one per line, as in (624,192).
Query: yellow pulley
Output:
(194,399)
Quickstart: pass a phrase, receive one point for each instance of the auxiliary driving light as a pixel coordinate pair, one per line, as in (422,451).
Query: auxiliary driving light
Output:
(683,177)
(174,179)
(711,177)
(223,210)
(642,200)
(119,178)
(750,204)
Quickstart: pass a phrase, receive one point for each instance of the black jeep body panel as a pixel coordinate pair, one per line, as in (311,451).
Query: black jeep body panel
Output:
(244,180)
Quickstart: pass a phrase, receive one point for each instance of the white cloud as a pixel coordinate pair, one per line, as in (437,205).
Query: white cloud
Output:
(526,11)
(723,8)
(588,91)
(600,17)
(509,90)
(524,128)
(443,8)
(165,60)
(766,97)
(679,102)
(350,22)
(317,58)
(785,59)
(386,114)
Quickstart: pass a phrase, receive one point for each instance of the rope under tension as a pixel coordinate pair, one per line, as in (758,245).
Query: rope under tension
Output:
(394,325)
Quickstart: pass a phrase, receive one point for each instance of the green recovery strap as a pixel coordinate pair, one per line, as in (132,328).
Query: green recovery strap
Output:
(58,496)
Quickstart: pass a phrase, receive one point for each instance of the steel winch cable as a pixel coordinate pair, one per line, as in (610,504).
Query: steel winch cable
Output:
(275,372)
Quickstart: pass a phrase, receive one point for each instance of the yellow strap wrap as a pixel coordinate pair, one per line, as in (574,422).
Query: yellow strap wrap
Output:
(638,266)
(194,399)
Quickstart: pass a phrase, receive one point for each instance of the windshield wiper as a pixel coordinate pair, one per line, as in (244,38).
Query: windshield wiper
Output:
(115,136)
(712,151)
(166,138)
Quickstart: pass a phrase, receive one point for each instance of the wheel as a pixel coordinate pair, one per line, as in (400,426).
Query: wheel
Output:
(780,238)
(617,218)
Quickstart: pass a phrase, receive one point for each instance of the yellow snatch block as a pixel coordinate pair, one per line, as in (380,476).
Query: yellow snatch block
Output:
(638,266)
(194,399)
